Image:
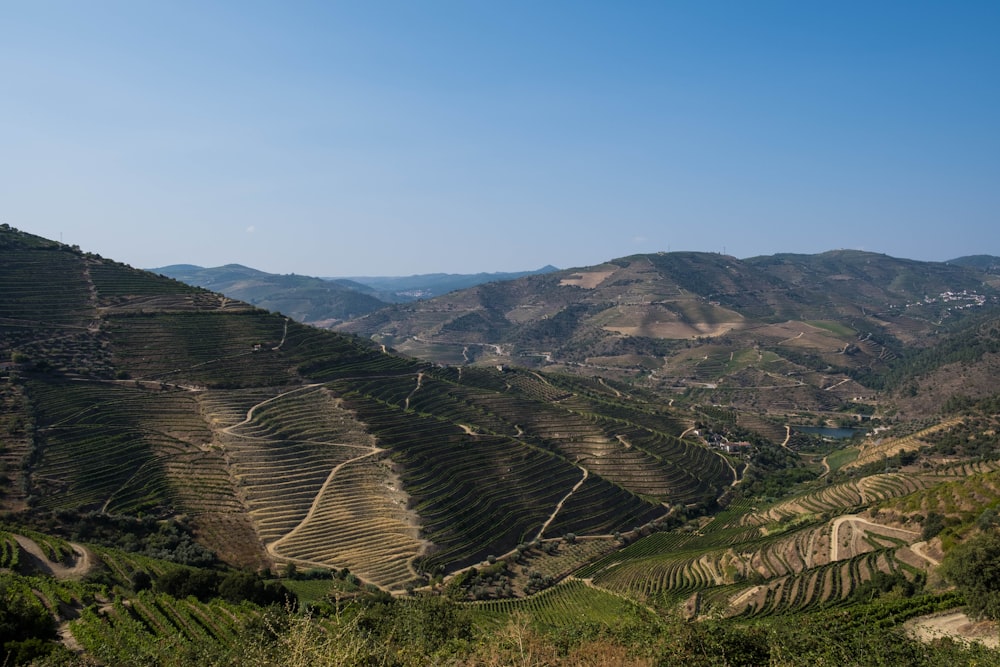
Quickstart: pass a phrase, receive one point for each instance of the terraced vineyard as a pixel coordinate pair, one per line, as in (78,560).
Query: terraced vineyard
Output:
(124,633)
(841,497)
(10,551)
(957,494)
(309,447)
(572,600)
(888,447)
(791,557)
(798,570)
(568,557)
(813,588)
(104,446)
(132,402)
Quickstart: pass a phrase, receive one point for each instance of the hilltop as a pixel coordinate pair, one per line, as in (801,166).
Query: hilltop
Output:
(429,285)
(303,298)
(326,302)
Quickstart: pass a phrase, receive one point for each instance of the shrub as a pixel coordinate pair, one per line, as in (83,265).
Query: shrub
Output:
(24,622)
(974,568)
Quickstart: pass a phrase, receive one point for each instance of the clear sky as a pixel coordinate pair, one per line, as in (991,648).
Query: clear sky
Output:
(391,138)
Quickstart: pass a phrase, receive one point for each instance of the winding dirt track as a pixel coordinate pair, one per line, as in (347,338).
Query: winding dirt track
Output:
(559,505)
(83,562)
(920,548)
(857,535)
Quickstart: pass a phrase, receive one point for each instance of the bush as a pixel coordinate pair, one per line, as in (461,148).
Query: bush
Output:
(24,623)
(974,568)
(933,524)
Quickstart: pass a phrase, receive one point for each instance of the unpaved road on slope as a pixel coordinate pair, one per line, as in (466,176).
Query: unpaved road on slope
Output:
(83,563)
(856,539)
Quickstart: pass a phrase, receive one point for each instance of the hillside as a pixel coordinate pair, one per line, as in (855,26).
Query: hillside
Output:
(428,285)
(155,435)
(147,396)
(782,332)
(303,298)
(325,302)
(987,263)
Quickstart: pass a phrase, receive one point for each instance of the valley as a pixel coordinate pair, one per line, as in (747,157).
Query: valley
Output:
(580,448)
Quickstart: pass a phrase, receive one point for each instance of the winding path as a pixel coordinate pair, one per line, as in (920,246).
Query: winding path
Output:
(273,546)
(249,416)
(420,381)
(854,519)
(826,468)
(82,565)
(559,505)
(920,548)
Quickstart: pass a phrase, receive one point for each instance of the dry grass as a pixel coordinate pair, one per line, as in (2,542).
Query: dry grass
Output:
(588,280)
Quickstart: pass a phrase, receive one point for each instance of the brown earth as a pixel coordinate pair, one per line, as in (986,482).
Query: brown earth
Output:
(36,559)
(954,624)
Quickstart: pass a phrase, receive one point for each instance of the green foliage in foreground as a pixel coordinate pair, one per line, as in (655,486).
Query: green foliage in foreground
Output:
(25,624)
(435,631)
(974,567)
(573,623)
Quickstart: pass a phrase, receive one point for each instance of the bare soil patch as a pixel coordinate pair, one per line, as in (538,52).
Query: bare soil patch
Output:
(802,334)
(953,624)
(588,280)
(676,329)
(81,564)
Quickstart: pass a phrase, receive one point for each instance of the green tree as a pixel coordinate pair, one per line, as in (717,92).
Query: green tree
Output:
(974,568)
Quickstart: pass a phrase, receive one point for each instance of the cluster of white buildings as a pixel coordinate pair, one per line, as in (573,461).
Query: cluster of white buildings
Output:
(963,299)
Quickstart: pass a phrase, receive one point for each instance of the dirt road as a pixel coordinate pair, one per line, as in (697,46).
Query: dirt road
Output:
(82,561)
(856,538)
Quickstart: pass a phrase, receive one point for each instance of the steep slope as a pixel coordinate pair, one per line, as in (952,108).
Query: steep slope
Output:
(140,395)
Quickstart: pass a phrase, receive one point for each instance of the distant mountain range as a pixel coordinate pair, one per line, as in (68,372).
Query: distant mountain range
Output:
(303,298)
(401,289)
(834,322)
(823,326)
(326,301)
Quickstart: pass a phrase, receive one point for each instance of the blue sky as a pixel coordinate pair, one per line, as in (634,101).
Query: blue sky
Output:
(391,138)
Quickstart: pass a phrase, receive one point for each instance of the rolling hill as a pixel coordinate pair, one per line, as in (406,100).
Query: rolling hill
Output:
(784,332)
(325,302)
(428,285)
(303,298)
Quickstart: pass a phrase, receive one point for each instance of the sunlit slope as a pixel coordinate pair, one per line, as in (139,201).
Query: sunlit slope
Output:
(281,442)
(808,552)
(783,332)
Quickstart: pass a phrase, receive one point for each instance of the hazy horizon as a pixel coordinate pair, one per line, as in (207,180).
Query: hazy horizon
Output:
(360,276)
(394,138)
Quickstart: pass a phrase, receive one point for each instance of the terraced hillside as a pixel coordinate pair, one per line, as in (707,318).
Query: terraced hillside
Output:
(782,332)
(806,553)
(137,413)
(303,298)
(139,395)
